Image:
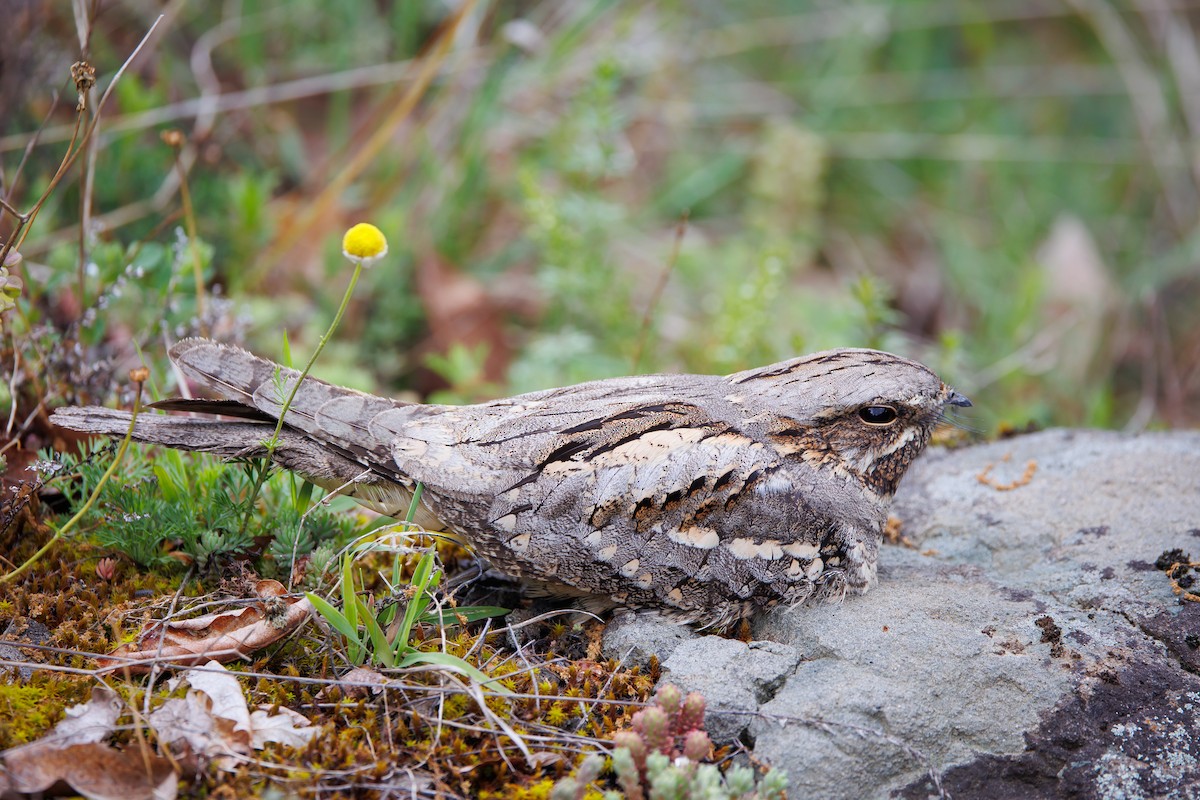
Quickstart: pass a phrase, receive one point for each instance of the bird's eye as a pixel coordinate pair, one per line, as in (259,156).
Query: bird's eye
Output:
(877,415)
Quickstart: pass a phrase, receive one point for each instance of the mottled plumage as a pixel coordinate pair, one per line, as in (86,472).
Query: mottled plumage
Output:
(702,496)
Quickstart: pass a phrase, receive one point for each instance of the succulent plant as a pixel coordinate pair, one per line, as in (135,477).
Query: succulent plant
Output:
(662,757)
(574,786)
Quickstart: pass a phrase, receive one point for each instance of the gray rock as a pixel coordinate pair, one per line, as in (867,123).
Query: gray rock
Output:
(1096,501)
(936,665)
(29,630)
(734,677)
(633,638)
(1027,646)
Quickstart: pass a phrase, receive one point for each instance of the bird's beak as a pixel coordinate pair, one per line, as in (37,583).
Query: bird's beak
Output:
(953,398)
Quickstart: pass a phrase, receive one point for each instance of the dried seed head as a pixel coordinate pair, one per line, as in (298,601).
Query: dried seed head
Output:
(84,76)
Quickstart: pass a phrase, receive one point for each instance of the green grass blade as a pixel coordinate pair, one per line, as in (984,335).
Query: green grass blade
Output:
(417,604)
(303,498)
(348,596)
(379,643)
(453,616)
(416,502)
(447,661)
(334,617)
(166,484)
(355,649)
(420,577)
(358,650)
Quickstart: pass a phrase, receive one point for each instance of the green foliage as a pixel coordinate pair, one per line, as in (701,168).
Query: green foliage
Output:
(587,329)
(363,627)
(251,224)
(176,508)
(383,632)
(296,534)
(462,367)
(684,780)
(883,185)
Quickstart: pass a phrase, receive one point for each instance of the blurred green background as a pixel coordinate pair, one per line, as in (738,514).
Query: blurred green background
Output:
(1007,191)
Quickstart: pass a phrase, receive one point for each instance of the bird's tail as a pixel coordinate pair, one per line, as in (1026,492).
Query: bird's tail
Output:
(225,438)
(325,434)
(318,408)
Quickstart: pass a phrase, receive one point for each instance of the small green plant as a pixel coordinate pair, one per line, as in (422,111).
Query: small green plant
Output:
(661,759)
(384,634)
(297,533)
(188,507)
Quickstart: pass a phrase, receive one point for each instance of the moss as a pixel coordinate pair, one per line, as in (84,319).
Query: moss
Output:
(456,706)
(28,709)
(557,715)
(539,790)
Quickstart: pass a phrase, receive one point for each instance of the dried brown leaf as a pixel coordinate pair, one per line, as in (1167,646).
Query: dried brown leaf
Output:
(88,722)
(288,727)
(222,637)
(92,769)
(214,720)
(358,682)
(459,310)
(73,758)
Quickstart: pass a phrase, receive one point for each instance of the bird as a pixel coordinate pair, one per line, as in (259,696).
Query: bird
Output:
(704,498)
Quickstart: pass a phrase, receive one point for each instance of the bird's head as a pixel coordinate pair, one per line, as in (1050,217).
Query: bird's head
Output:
(867,411)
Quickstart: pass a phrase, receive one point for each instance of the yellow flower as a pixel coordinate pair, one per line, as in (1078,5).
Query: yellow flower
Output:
(364,244)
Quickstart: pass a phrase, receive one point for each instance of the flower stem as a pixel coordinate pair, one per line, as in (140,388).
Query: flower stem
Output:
(189,221)
(273,442)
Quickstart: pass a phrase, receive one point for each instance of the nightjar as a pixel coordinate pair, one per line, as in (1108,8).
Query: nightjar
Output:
(703,497)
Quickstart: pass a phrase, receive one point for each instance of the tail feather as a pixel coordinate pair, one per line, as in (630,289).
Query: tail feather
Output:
(225,438)
(229,371)
(328,413)
(325,436)
(226,408)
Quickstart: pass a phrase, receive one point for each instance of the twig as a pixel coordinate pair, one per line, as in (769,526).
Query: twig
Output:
(156,669)
(386,74)
(139,379)
(84,83)
(12,392)
(73,154)
(16,178)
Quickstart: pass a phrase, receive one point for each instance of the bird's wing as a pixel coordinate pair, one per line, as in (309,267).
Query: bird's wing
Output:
(661,498)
